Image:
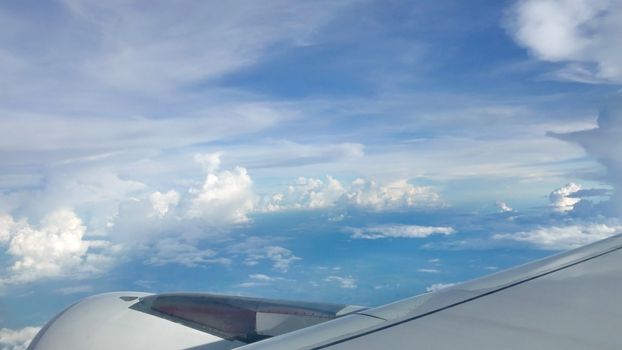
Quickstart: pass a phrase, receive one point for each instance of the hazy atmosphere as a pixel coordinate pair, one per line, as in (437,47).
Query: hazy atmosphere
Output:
(340,151)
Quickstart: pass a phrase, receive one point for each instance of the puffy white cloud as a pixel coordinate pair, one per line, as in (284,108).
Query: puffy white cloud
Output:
(582,33)
(561,199)
(225,196)
(393,196)
(204,210)
(11,339)
(563,237)
(162,202)
(310,193)
(399,231)
(438,286)
(56,248)
(343,282)
(306,193)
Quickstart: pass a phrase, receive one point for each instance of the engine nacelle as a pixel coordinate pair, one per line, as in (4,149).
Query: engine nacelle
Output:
(133,320)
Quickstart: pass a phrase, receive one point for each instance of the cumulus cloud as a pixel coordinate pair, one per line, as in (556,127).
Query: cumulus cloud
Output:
(393,196)
(399,231)
(56,248)
(604,143)
(310,193)
(562,199)
(438,286)
(343,282)
(306,193)
(204,209)
(563,237)
(11,339)
(225,196)
(582,33)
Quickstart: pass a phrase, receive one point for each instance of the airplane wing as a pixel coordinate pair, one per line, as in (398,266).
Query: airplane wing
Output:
(568,301)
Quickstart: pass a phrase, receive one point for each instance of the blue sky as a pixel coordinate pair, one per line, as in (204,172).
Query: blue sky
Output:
(340,151)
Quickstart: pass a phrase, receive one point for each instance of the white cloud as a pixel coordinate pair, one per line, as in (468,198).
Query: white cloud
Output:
(162,202)
(393,196)
(604,144)
(56,248)
(310,193)
(306,193)
(438,286)
(113,98)
(95,191)
(582,33)
(6,224)
(203,210)
(399,231)
(168,251)
(260,280)
(19,339)
(503,207)
(563,237)
(561,199)
(343,282)
(225,196)
(209,161)
(264,278)
(280,258)
(232,36)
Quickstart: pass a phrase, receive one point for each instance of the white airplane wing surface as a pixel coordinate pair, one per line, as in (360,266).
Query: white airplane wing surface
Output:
(568,301)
